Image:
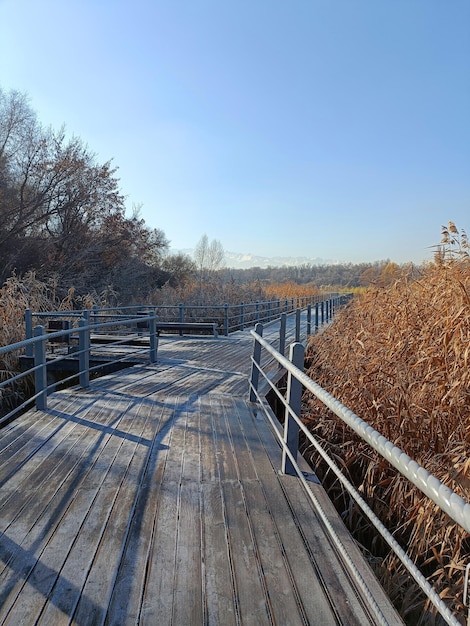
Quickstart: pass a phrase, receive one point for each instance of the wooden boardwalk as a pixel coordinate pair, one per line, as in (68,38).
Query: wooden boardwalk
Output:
(154,497)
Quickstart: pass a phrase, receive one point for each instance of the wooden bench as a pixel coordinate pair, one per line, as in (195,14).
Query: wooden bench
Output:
(187,327)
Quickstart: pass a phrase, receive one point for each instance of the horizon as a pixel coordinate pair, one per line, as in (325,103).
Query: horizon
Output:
(338,130)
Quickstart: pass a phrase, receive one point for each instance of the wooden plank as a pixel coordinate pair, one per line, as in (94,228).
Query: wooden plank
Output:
(158,593)
(92,604)
(330,573)
(128,589)
(42,565)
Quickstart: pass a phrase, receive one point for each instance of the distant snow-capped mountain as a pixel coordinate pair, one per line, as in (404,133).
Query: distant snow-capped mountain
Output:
(244,261)
(239,260)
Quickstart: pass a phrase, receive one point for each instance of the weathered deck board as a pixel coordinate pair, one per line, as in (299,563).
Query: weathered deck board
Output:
(154,497)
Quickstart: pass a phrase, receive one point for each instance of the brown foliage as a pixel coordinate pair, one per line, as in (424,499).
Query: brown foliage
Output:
(398,356)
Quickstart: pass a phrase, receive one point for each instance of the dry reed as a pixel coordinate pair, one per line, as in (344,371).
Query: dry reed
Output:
(398,357)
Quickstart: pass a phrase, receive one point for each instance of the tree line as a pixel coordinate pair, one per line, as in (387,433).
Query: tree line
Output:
(62,213)
(350,275)
(63,216)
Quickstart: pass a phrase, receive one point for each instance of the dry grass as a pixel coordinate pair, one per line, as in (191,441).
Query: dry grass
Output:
(399,358)
(290,289)
(16,295)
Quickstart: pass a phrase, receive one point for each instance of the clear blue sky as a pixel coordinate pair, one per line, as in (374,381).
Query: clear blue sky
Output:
(327,128)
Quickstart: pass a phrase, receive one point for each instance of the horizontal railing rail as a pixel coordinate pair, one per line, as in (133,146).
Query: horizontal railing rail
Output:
(228,317)
(78,326)
(297,380)
(35,348)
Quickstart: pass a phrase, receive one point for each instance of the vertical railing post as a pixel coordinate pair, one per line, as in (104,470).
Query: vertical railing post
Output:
(95,314)
(84,353)
(292,305)
(181,315)
(322,303)
(269,310)
(282,335)
(242,316)
(294,399)
(153,337)
(297,324)
(309,320)
(286,305)
(254,378)
(40,374)
(28,325)
(316,316)
(226,319)
(256,312)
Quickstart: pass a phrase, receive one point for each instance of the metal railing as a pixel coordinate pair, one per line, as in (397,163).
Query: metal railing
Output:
(128,323)
(450,502)
(35,347)
(228,317)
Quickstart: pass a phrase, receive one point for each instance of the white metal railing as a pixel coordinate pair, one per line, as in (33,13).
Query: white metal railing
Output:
(450,502)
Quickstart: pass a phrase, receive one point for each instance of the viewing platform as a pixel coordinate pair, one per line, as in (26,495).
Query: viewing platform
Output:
(155,496)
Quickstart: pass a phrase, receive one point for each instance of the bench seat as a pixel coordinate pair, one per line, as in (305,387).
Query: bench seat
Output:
(187,327)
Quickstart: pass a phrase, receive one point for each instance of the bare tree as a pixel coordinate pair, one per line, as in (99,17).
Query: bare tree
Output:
(209,257)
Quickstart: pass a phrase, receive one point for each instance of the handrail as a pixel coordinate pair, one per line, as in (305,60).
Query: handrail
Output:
(229,317)
(35,347)
(450,502)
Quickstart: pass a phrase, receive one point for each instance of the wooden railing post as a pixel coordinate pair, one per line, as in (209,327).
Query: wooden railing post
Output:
(293,398)
(254,378)
(40,374)
(28,323)
(84,353)
(153,337)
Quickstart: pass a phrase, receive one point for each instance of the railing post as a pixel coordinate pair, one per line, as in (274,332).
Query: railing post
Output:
(95,314)
(257,312)
(282,335)
(297,324)
(226,319)
(322,303)
(294,398)
(292,305)
(84,353)
(242,315)
(28,324)
(153,337)
(254,378)
(316,316)
(309,320)
(40,374)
